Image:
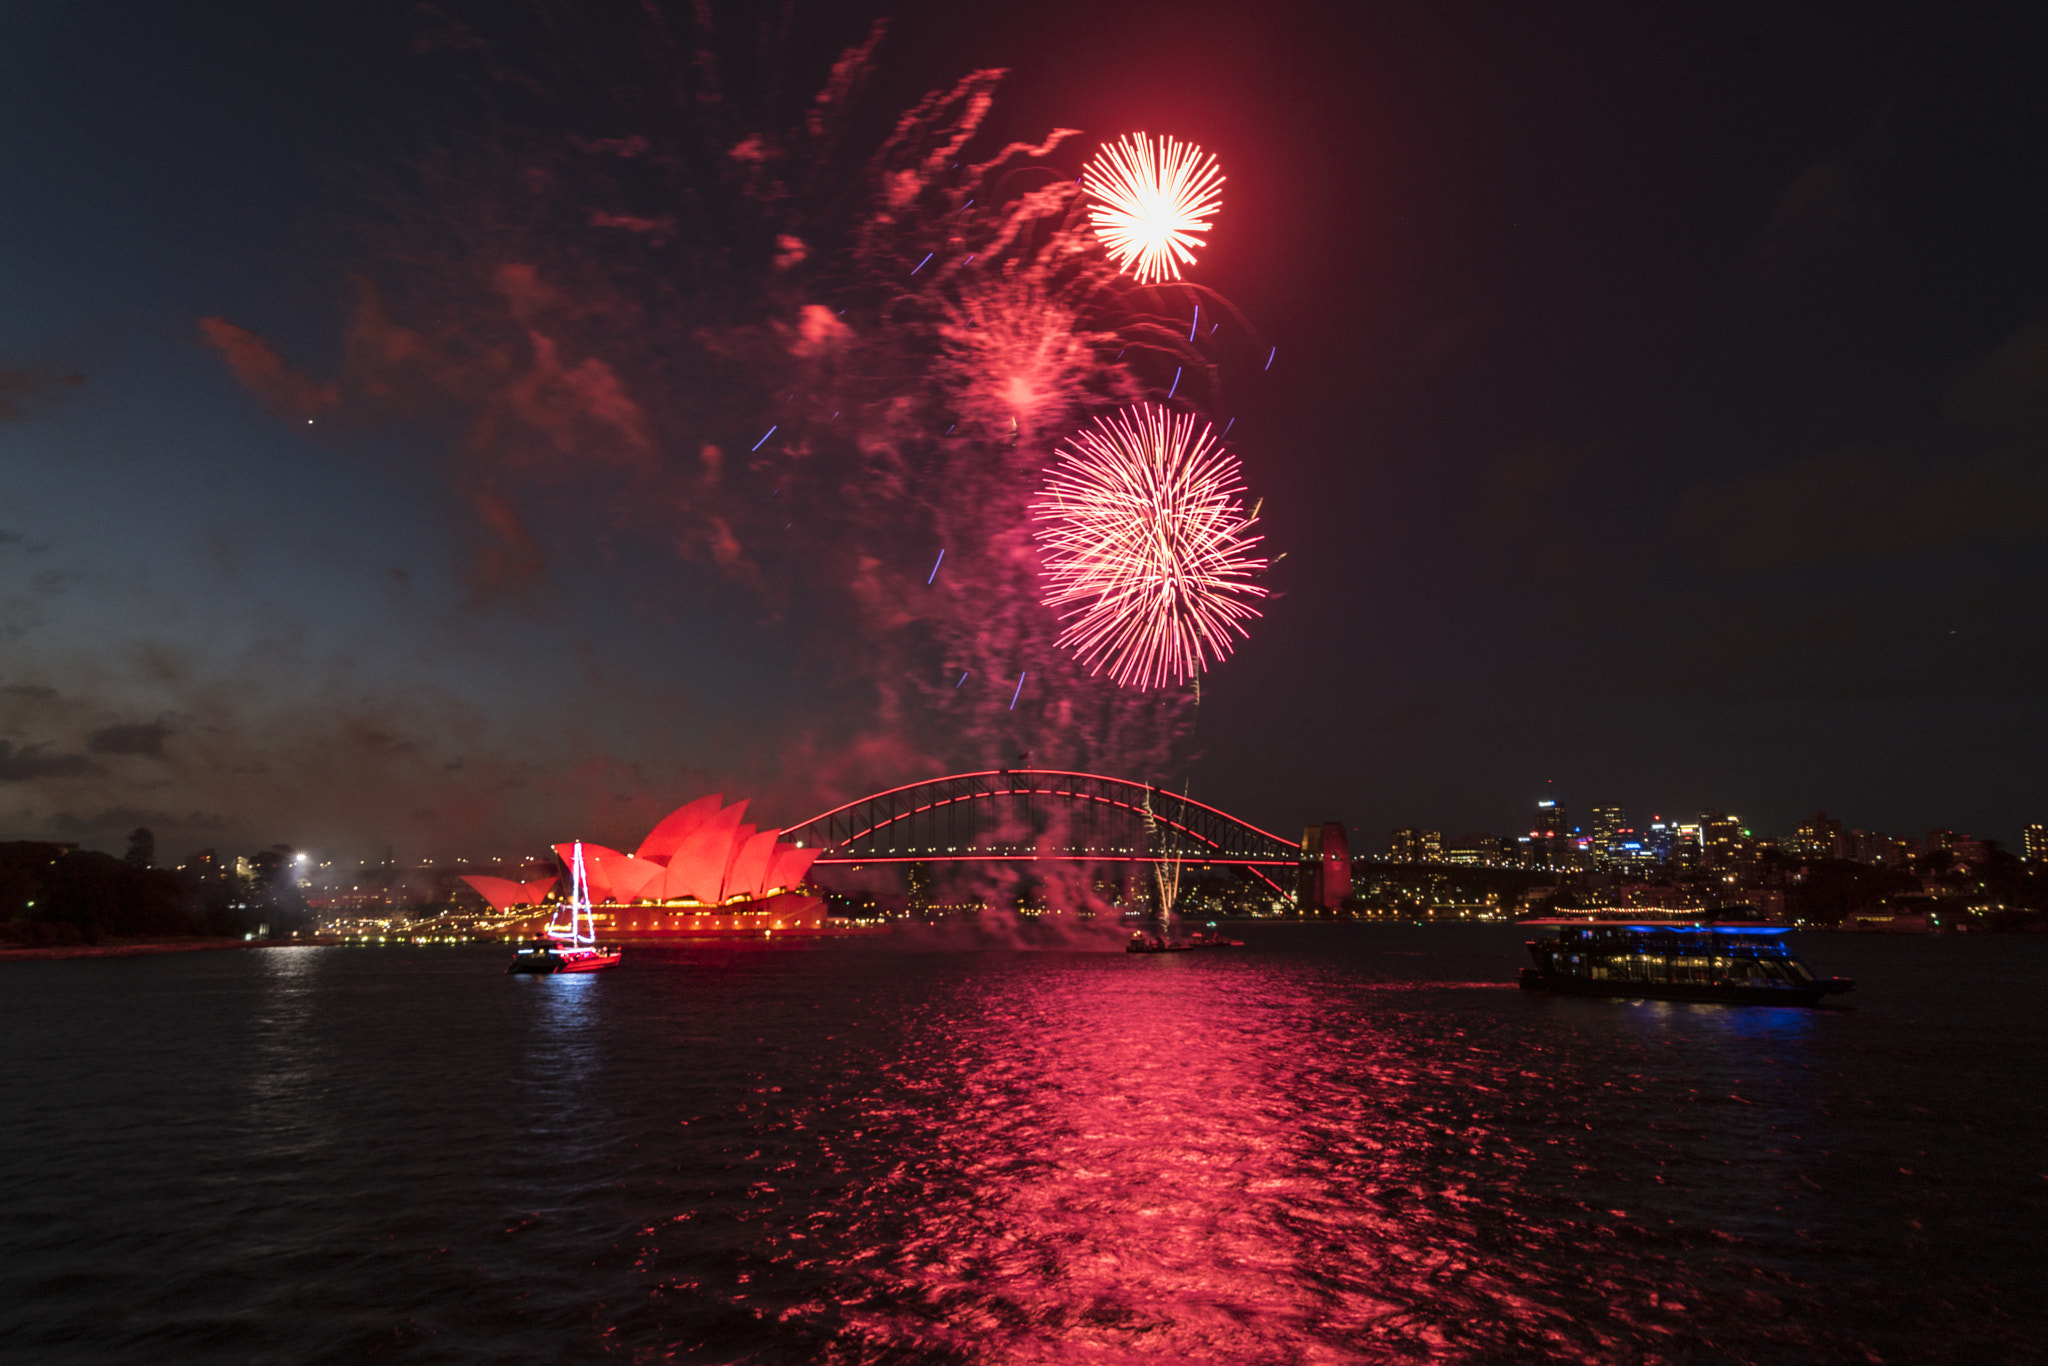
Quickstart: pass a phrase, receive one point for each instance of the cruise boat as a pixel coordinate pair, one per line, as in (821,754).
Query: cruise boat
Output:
(1144,941)
(568,944)
(1736,962)
(1148,941)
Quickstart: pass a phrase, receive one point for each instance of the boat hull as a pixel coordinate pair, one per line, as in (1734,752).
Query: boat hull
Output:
(553,964)
(780,917)
(1804,994)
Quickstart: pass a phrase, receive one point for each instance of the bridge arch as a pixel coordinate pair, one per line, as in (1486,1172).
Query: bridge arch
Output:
(1033,813)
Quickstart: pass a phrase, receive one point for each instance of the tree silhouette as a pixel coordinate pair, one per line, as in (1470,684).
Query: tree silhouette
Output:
(141,848)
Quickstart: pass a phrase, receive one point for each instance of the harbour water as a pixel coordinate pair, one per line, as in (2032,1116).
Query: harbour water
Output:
(1341,1143)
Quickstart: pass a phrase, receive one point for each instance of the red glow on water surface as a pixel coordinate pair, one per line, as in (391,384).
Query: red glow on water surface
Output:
(1175,1160)
(1200,1158)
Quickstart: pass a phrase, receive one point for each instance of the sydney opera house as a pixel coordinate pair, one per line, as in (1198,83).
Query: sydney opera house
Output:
(701,873)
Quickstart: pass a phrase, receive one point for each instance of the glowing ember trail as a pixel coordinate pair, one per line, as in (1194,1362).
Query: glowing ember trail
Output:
(1154,199)
(1144,544)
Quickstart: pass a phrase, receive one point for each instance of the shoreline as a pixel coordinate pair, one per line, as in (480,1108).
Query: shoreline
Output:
(50,951)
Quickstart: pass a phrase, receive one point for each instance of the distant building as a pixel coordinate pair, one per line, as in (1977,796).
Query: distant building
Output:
(1660,840)
(1610,823)
(1963,851)
(1768,904)
(1416,846)
(1688,847)
(1475,851)
(1550,837)
(1721,839)
(2034,843)
(1818,837)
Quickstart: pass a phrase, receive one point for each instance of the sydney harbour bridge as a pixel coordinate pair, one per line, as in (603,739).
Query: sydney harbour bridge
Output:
(1029,814)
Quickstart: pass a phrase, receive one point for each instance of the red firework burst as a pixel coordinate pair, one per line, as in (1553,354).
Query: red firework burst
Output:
(1144,544)
(1154,199)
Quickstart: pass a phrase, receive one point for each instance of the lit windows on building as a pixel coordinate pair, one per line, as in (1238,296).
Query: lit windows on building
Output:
(1416,846)
(1818,837)
(1475,851)
(1721,838)
(1610,823)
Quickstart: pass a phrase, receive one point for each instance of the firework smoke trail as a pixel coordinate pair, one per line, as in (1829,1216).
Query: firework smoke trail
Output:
(1166,875)
(1154,198)
(677,320)
(1145,546)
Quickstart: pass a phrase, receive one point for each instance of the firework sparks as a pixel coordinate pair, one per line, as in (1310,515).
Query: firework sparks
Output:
(1154,199)
(1145,546)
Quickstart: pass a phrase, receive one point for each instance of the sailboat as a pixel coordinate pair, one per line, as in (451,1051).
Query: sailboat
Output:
(568,945)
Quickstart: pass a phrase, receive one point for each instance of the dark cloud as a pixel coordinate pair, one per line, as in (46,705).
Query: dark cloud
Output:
(27,391)
(1820,208)
(1860,504)
(115,822)
(1520,489)
(275,744)
(1972,639)
(2008,391)
(1407,715)
(27,690)
(1829,207)
(143,738)
(24,764)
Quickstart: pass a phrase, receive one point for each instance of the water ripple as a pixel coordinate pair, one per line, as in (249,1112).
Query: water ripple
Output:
(1344,1144)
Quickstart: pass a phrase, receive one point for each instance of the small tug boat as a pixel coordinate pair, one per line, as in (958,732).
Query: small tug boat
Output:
(571,945)
(1735,962)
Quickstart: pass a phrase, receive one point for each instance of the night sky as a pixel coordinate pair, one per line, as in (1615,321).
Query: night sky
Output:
(1658,419)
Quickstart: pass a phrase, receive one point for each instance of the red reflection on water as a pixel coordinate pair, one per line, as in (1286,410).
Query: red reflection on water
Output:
(1227,1158)
(1139,1175)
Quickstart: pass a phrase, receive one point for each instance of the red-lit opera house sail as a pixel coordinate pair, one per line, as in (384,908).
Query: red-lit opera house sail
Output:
(700,853)
(790,865)
(697,868)
(503,893)
(664,839)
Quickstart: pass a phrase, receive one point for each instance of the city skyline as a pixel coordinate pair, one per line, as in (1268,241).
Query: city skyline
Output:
(1687,429)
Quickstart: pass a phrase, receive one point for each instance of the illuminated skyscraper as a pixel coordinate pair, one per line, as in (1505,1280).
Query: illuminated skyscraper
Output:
(1550,838)
(2034,843)
(1721,837)
(1608,824)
